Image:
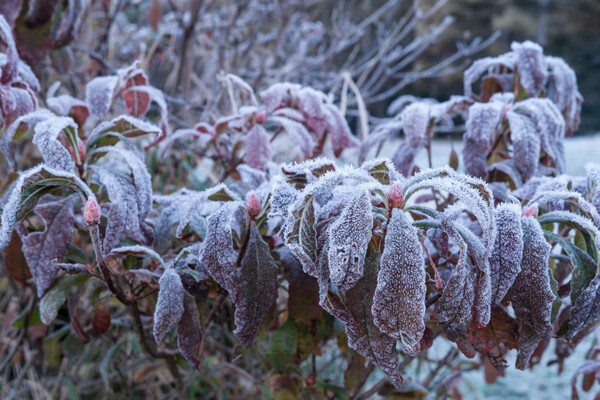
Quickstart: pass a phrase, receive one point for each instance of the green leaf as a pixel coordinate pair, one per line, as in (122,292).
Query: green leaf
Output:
(281,350)
(584,267)
(54,298)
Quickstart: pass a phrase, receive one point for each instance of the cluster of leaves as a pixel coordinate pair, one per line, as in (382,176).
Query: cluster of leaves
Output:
(399,255)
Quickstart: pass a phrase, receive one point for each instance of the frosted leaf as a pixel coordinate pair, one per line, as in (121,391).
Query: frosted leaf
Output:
(473,192)
(307,171)
(311,102)
(526,144)
(157,96)
(24,76)
(355,312)
(258,150)
(283,195)
(337,126)
(30,118)
(191,204)
(12,204)
(415,120)
(564,92)
(45,138)
(217,252)
(300,233)
(189,334)
(349,237)
(531,65)
(531,294)
(298,133)
(257,288)
(125,125)
(586,309)
(16,101)
(549,127)
(480,130)
(169,305)
(138,250)
(489,65)
(99,94)
(65,104)
(200,139)
(141,178)
(580,222)
(383,170)
(506,258)
(557,197)
(456,303)
(9,69)
(529,188)
(399,300)
(528,342)
(593,173)
(124,216)
(278,95)
(42,248)
(137,103)
(251,176)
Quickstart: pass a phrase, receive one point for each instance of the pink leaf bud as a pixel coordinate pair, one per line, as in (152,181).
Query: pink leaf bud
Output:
(253,205)
(531,211)
(260,118)
(395,195)
(81,148)
(91,212)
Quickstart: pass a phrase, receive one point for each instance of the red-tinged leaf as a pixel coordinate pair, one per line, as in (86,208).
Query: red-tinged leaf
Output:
(501,333)
(78,329)
(355,312)
(99,94)
(169,306)
(155,14)
(457,300)
(189,334)
(505,261)
(101,319)
(459,336)
(136,102)
(399,299)
(42,248)
(257,287)
(14,260)
(589,366)
(303,291)
(69,106)
(531,294)
(258,150)
(349,237)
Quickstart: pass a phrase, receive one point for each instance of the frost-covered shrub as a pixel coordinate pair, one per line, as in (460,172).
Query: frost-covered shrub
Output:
(269,256)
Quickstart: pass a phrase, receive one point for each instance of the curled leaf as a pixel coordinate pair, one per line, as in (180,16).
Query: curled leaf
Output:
(169,306)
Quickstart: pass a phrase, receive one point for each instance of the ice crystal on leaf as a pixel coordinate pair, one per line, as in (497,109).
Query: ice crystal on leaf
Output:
(399,300)
(169,305)
(298,132)
(29,118)
(349,237)
(564,91)
(531,295)
(278,95)
(505,261)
